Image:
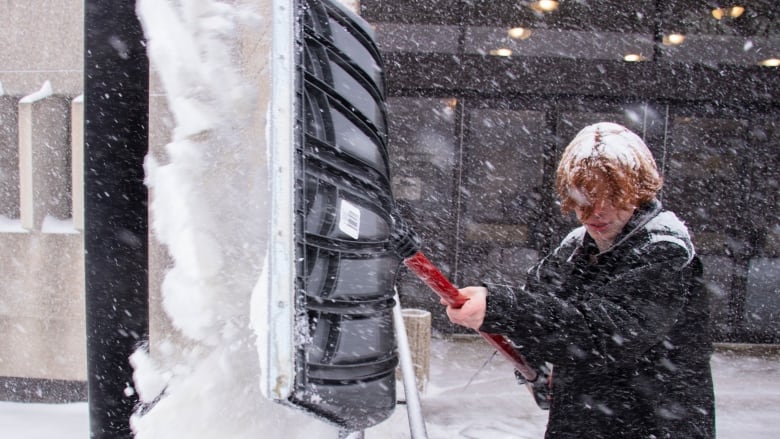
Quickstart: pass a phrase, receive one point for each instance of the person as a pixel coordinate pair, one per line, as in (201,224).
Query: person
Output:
(618,308)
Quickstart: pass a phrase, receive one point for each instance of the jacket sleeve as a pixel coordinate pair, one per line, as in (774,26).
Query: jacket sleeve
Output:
(612,324)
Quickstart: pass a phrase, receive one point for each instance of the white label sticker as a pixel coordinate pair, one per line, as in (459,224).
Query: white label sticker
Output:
(349,219)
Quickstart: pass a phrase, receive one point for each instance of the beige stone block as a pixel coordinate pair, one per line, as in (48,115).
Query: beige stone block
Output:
(42,307)
(44,275)
(33,347)
(42,40)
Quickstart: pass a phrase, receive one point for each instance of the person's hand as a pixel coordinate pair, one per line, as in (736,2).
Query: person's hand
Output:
(472,313)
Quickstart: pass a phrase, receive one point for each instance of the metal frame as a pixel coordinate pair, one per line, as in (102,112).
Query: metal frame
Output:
(275,305)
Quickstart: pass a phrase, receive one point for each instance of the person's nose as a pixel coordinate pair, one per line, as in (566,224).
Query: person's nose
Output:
(598,208)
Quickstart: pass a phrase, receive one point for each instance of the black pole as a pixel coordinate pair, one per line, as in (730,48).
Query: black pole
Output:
(116,114)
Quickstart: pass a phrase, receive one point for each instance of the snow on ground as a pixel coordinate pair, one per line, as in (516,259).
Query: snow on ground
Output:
(493,406)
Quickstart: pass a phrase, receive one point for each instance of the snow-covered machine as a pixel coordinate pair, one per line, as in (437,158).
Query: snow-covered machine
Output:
(329,347)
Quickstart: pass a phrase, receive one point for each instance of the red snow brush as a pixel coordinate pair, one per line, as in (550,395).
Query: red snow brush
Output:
(407,245)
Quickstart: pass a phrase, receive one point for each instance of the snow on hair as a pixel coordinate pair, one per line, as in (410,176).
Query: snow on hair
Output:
(606,161)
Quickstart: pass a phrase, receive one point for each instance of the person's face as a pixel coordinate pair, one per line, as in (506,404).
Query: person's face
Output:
(603,221)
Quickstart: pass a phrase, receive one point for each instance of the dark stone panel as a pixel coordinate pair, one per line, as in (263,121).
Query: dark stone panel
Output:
(491,76)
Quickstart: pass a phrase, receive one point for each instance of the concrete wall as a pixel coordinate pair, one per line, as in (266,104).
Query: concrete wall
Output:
(41,250)
(41,40)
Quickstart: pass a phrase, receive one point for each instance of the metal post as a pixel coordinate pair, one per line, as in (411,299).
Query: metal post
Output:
(116,72)
(413,406)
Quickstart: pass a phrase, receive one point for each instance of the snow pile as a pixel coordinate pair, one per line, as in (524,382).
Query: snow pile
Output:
(201,381)
(45,91)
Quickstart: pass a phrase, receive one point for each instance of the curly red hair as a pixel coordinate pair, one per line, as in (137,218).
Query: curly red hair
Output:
(606,162)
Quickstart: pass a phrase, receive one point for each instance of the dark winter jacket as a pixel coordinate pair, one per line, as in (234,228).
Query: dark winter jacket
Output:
(626,331)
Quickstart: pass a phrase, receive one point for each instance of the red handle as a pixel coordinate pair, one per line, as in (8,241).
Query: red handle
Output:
(432,277)
(428,273)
